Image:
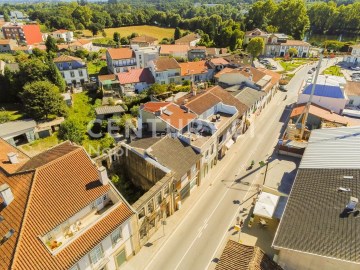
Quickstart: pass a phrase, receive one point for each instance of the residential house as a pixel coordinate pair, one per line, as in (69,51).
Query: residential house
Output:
(272,44)
(18,15)
(321,213)
(219,63)
(253,34)
(199,71)
(354,57)
(135,80)
(144,55)
(2,23)
(165,70)
(302,47)
(352,91)
(215,52)
(176,51)
(6,45)
(90,226)
(237,256)
(198,52)
(190,40)
(320,117)
(109,82)
(28,34)
(18,132)
(120,59)
(144,41)
(66,35)
(73,70)
(330,97)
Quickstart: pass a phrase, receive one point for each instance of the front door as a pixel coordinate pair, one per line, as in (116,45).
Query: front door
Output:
(120,258)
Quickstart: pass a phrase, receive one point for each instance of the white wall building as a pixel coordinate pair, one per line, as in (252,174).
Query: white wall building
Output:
(165,70)
(67,36)
(145,54)
(354,58)
(73,70)
(120,60)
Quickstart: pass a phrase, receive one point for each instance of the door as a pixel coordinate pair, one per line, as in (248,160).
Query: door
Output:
(120,258)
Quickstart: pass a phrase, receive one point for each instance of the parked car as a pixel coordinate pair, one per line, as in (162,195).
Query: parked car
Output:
(355,68)
(313,68)
(310,71)
(282,88)
(271,67)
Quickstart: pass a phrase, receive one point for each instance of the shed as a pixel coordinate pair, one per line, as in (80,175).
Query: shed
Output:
(105,112)
(266,205)
(18,132)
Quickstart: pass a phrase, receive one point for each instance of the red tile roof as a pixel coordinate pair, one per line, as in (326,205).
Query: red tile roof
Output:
(190,68)
(176,117)
(154,106)
(171,49)
(6,148)
(352,88)
(32,33)
(219,61)
(164,63)
(67,58)
(136,76)
(187,39)
(121,53)
(4,41)
(61,31)
(295,43)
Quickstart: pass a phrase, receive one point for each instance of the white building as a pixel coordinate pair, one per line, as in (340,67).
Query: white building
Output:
(66,35)
(83,222)
(145,54)
(165,70)
(120,59)
(354,58)
(73,70)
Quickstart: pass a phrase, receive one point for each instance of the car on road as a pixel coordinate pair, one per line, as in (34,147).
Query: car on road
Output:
(282,88)
(355,68)
(310,71)
(271,67)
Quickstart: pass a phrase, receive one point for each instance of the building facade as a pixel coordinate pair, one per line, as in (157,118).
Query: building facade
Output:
(73,70)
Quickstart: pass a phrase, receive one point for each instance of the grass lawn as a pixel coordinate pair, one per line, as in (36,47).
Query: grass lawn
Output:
(10,112)
(97,67)
(292,65)
(40,145)
(333,70)
(154,31)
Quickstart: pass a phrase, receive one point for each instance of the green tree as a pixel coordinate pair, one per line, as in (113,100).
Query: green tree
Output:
(42,99)
(261,14)
(55,76)
(72,130)
(95,28)
(293,52)
(272,29)
(50,44)
(82,14)
(255,47)
(116,37)
(135,110)
(156,89)
(177,33)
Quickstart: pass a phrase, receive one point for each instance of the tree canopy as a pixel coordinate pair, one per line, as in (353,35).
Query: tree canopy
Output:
(255,47)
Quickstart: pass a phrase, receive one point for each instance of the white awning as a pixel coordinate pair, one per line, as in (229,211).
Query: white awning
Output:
(229,143)
(266,205)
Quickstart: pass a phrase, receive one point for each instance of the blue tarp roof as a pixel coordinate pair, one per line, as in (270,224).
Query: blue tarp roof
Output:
(325,91)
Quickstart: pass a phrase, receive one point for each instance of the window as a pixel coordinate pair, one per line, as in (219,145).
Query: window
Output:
(96,254)
(212,149)
(72,74)
(70,65)
(207,154)
(80,73)
(166,191)
(159,199)
(142,213)
(116,236)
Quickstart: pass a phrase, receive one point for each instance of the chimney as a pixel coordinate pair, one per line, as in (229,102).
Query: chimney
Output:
(13,158)
(6,194)
(103,177)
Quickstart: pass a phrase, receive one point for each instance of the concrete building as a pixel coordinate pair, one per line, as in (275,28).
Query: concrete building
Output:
(165,70)
(120,60)
(144,55)
(28,34)
(91,226)
(66,35)
(18,132)
(319,228)
(73,70)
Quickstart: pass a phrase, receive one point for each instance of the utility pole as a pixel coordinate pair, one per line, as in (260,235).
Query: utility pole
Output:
(307,107)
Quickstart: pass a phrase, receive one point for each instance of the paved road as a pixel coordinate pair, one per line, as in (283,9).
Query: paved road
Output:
(197,239)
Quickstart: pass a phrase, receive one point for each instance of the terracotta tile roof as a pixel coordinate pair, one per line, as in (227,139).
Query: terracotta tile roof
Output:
(61,31)
(176,117)
(32,33)
(187,39)
(256,32)
(4,41)
(200,103)
(136,76)
(6,148)
(13,213)
(229,99)
(189,68)
(144,38)
(164,63)
(237,256)
(67,58)
(219,61)
(256,74)
(107,77)
(48,156)
(352,88)
(121,53)
(84,41)
(154,106)
(275,78)
(323,113)
(295,43)
(170,49)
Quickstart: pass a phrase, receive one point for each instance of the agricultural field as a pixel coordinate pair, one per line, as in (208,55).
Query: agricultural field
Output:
(154,31)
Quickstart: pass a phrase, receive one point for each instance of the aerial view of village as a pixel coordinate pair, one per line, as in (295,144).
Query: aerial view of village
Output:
(179,135)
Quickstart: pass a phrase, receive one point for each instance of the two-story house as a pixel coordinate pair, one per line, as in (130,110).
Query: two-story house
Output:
(73,70)
(135,80)
(165,70)
(253,34)
(120,60)
(354,57)
(145,54)
(200,71)
(190,40)
(144,41)
(302,47)
(176,51)
(68,213)
(6,45)
(66,35)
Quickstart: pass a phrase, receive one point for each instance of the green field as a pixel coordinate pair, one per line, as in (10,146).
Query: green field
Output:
(292,65)
(333,70)
(97,67)
(153,31)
